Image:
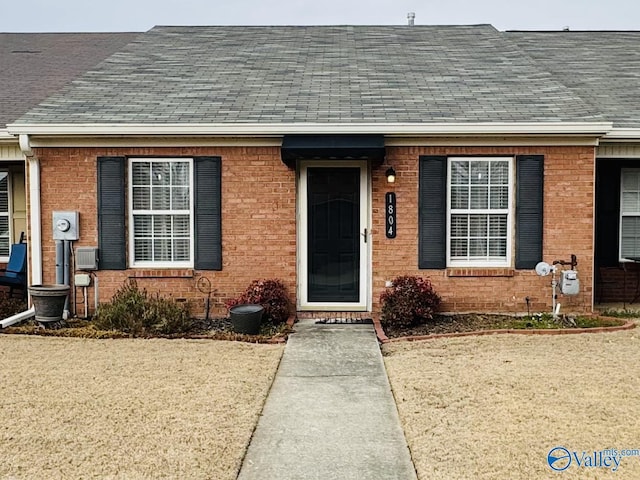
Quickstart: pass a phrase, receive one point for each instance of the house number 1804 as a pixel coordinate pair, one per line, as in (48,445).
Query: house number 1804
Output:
(390,214)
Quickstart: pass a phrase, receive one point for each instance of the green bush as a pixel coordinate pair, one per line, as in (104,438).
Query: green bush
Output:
(138,313)
(271,294)
(410,301)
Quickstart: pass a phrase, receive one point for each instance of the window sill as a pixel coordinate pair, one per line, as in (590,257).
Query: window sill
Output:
(163,273)
(480,272)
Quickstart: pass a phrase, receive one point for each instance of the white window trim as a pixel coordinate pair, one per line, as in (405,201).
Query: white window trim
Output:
(130,233)
(507,262)
(9,214)
(623,214)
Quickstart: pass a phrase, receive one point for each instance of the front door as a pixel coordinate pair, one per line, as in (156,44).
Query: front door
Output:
(333,230)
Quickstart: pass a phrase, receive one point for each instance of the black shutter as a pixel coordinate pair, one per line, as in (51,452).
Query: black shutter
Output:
(432,213)
(529,202)
(112,243)
(607,213)
(208,213)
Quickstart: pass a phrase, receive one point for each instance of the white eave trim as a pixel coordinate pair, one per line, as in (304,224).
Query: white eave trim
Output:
(622,134)
(270,129)
(6,136)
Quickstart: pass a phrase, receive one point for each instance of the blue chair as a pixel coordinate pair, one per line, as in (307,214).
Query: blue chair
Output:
(15,275)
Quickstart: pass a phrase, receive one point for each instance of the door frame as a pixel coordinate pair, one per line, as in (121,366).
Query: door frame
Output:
(364,303)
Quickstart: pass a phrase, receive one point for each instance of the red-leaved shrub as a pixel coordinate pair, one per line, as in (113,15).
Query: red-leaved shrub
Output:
(271,294)
(410,301)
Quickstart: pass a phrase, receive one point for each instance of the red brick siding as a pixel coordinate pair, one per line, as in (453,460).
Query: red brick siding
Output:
(258,212)
(259,225)
(568,228)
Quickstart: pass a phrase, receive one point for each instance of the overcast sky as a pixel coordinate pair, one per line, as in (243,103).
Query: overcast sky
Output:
(140,15)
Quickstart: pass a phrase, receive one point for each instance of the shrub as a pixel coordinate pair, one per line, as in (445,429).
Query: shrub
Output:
(410,301)
(271,294)
(137,313)
(11,306)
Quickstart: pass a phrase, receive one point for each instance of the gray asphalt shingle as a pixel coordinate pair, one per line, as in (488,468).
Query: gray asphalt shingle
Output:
(35,65)
(341,74)
(601,67)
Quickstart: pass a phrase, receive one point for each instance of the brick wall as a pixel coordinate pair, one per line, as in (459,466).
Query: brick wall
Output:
(568,229)
(258,212)
(259,226)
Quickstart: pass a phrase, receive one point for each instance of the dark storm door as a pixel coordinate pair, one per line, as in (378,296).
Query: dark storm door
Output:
(333,213)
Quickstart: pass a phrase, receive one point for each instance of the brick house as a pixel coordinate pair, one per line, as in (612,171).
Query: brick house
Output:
(238,153)
(34,66)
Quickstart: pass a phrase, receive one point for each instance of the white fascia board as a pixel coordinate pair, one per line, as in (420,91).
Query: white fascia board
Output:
(622,134)
(154,141)
(498,140)
(270,129)
(6,136)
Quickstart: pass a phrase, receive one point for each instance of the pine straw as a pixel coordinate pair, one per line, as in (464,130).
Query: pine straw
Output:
(493,407)
(79,408)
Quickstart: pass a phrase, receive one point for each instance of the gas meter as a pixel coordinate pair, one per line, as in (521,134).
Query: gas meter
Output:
(569,283)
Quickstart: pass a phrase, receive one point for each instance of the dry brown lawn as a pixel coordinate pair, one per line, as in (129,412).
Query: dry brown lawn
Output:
(129,409)
(493,407)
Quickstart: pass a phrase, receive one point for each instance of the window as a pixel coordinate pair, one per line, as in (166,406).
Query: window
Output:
(161,212)
(479,206)
(630,213)
(476,216)
(5,230)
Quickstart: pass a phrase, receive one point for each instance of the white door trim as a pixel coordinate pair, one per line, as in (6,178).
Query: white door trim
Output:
(364,303)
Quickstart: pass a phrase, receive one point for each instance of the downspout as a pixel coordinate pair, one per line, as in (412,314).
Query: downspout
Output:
(35,259)
(17,318)
(35,229)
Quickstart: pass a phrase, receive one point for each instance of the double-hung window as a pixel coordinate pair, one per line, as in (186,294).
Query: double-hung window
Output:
(630,213)
(5,223)
(479,211)
(161,212)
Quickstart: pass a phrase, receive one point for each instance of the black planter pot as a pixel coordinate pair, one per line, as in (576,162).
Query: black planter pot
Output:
(246,318)
(48,301)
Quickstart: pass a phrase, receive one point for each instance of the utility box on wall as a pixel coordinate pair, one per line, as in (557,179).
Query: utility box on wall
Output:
(87,258)
(66,226)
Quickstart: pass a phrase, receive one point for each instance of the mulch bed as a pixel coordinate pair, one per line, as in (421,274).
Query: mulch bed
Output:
(450,324)
(471,322)
(212,328)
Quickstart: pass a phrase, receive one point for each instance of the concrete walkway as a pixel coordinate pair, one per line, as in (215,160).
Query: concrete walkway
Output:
(330,413)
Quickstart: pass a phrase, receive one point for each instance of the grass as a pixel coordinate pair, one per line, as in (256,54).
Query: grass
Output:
(624,313)
(493,407)
(130,408)
(546,321)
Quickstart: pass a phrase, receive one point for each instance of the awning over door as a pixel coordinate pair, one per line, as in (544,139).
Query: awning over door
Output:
(332,147)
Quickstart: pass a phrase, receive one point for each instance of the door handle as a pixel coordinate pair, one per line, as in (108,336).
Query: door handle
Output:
(364,235)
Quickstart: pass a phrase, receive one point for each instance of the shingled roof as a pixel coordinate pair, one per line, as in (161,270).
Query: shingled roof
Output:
(603,68)
(35,65)
(316,74)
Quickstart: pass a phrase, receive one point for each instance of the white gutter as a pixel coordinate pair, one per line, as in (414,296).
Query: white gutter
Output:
(258,129)
(18,317)
(35,228)
(5,135)
(623,134)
